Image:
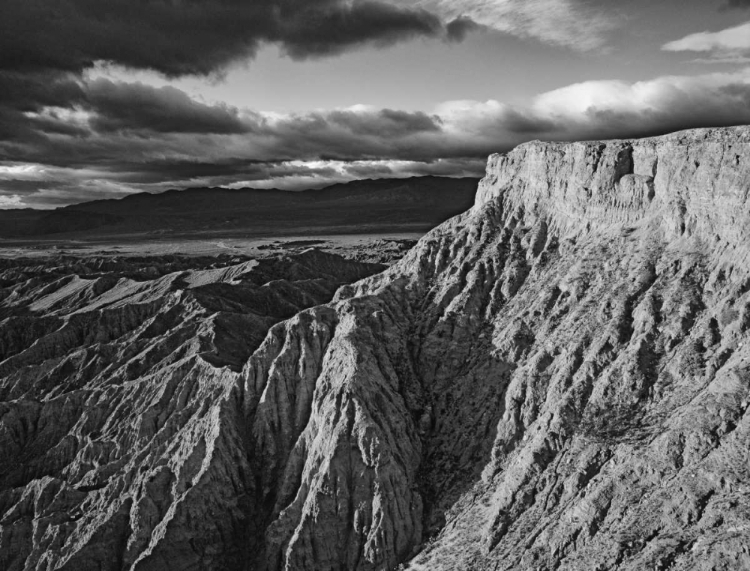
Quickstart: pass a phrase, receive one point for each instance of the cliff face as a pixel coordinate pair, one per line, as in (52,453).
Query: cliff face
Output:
(695,180)
(557,379)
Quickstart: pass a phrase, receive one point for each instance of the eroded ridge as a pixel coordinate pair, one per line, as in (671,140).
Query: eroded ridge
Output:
(122,443)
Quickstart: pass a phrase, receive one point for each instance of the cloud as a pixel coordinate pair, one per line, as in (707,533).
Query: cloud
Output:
(47,46)
(119,105)
(11,201)
(45,186)
(309,29)
(196,36)
(299,175)
(458,28)
(384,123)
(611,109)
(737,4)
(159,139)
(569,23)
(731,45)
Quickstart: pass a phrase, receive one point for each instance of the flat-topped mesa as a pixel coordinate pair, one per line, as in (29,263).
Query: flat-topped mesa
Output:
(693,183)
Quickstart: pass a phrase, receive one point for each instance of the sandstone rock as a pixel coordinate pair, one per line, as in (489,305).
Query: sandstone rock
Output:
(118,422)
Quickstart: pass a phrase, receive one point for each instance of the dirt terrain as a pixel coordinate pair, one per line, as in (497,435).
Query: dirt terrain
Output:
(382,248)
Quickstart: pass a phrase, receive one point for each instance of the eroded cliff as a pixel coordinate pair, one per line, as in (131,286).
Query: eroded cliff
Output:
(557,379)
(116,407)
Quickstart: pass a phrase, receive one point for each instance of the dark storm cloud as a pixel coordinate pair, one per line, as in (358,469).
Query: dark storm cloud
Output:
(30,91)
(459,28)
(525,123)
(383,122)
(174,38)
(164,170)
(737,4)
(136,106)
(24,186)
(307,29)
(46,45)
(24,94)
(120,126)
(350,134)
(192,36)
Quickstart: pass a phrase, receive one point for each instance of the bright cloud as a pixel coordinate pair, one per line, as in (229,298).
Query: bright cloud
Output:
(604,109)
(601,109)
(19,171)
(11,201)
(732,44)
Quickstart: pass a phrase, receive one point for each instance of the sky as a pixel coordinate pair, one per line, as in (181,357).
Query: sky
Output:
(105,98)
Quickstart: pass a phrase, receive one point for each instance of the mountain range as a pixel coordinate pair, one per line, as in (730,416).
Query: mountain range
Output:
(416,204)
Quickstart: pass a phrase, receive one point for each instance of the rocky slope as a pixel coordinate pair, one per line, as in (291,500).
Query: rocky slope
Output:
(114,373)
(557,379)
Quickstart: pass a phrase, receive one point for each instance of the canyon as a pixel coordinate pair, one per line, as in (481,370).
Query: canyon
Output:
(556,379)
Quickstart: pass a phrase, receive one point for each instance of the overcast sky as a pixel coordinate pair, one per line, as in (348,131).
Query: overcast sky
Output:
(101,98)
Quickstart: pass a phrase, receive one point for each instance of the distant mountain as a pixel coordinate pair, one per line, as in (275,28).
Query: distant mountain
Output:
(385,204)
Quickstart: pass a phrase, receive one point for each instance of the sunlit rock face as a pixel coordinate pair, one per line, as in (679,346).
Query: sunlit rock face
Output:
(556,379)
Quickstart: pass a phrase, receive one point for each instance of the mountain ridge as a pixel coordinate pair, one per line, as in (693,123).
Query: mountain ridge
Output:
(416,201)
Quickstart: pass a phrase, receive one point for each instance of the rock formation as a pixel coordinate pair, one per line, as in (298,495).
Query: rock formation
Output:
(557,379)
(115,379)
